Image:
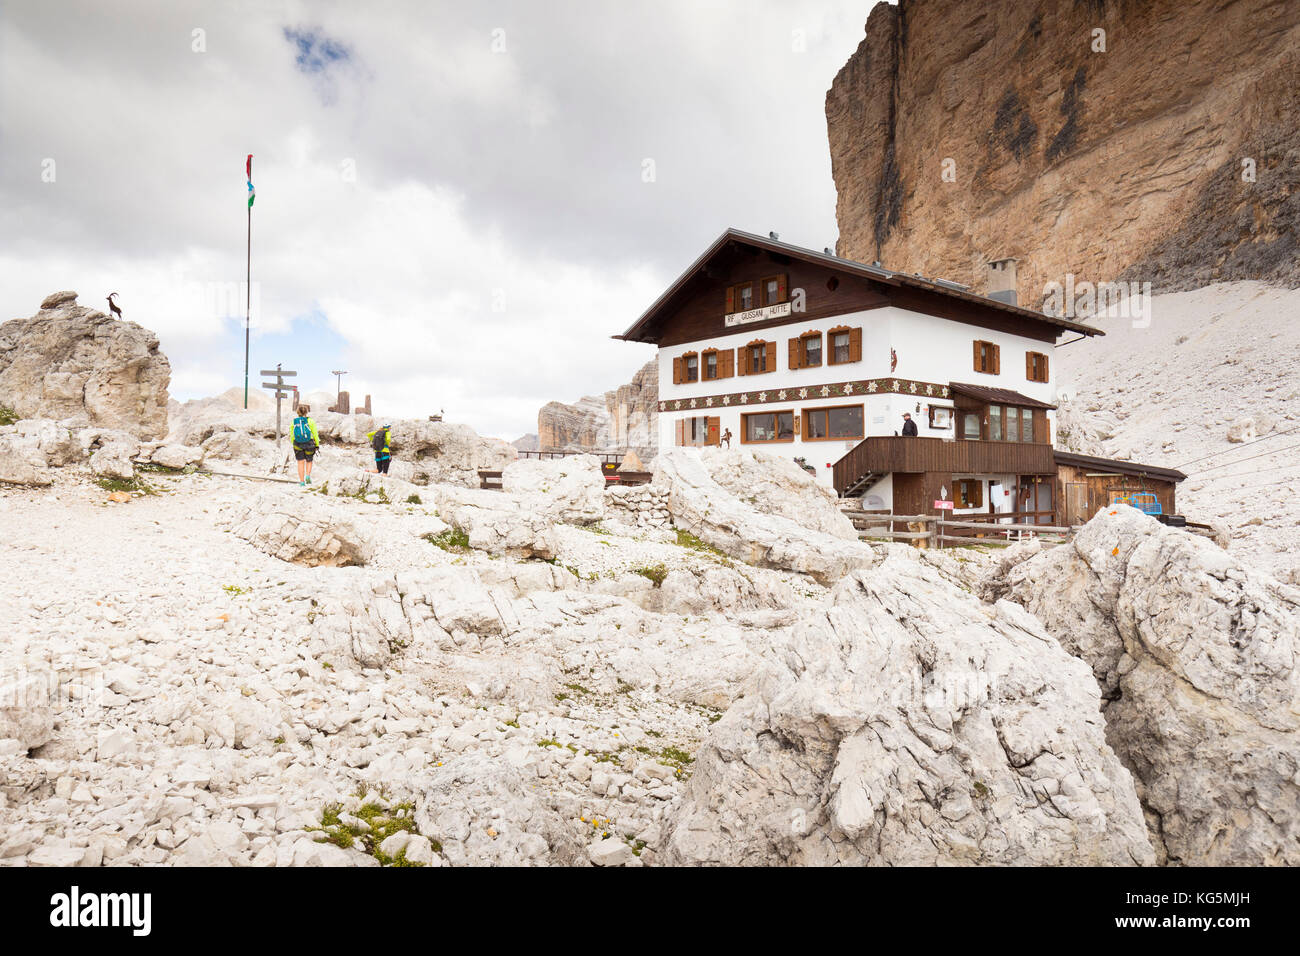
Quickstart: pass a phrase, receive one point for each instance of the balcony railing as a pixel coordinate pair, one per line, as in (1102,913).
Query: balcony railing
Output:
(883,454)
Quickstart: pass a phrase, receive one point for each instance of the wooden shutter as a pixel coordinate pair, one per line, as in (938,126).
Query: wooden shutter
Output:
(713,430)
(978,367)
(782,287)
(771,356)
(997,359)
(855,345)
(794,354)
(727,363)
(681,431)
(1047,375)
(742,360)
(679,370)
(1029,367)
(731,299)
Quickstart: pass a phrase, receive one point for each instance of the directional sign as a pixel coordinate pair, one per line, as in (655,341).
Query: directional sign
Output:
(943,505)
(275,371)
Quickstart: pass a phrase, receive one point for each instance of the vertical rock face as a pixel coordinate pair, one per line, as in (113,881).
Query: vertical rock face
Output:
(624,419)
(71,362)
(1198,657)
(1127,162)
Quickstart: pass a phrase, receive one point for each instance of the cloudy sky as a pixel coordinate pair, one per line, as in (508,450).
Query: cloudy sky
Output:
(459,203)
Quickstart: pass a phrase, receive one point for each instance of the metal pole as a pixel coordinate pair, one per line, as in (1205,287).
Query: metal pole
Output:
(279,380)
(248,307)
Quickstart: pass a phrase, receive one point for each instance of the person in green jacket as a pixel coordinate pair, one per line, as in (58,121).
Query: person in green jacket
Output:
(383,454)
(306,439)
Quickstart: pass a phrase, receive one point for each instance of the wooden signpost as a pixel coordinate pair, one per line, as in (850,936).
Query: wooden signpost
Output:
(279,385)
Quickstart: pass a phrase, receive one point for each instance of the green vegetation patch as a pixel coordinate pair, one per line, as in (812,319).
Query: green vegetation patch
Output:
(7,415)
(655,572)
(377,823)
(137,486)
(453,540)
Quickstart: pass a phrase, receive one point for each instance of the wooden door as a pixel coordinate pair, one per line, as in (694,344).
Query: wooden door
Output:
(1076,502)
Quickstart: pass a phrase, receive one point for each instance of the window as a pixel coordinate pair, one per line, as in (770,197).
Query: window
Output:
(692,366)
(968,493)
(1036,366)
(971,425)
(710,365)
(1006,423)
(941,417)
(987,358)
(697,431)
(811,346)
(843,345)
(741,298)
(822,424)
(767,427)
(1011,423)
(806,350)
(1026,425)
(757,357)
(773,290)
(995,423)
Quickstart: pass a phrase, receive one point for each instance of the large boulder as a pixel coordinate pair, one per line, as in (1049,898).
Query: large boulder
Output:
(702,506)
(176,456)
(111,452)
(443,453)
(58,442)
(21,462)
(303,528)
(1198,656)
(570,489)
(496,523)
(68,361)
(775,485)
(908,724)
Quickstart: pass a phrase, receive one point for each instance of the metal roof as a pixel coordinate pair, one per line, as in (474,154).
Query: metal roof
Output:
(635,332)
(1122,467)
(996,396)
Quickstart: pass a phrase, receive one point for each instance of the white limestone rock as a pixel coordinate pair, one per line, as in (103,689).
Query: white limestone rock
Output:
(570,489)
(1199,658)
(176,456)
(703,507)
(25,712)
(910,725)
(497,524)
(484,813)
(21,462)
(69,361)
(442,452)
(303,528)
(775,485)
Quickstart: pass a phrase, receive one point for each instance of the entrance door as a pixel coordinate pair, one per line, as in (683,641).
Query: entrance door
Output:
(1076,502)
(1035,494)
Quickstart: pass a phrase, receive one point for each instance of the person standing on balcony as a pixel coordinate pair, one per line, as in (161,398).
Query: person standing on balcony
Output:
(909,426)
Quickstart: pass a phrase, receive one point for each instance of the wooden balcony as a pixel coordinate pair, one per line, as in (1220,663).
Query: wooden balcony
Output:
(882,454)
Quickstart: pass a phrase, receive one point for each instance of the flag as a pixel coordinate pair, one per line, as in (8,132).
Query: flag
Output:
(252,194)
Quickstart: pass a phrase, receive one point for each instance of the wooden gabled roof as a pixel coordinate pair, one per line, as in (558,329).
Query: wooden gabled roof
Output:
(644,328)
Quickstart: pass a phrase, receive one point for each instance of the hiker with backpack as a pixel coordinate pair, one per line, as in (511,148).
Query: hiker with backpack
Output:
(379,441)
(306,439)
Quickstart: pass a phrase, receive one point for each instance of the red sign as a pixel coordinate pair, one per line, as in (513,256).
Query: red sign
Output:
(943,505)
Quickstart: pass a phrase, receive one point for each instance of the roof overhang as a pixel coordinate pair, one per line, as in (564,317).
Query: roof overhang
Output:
(995,396)
(642,329)
(1136,469)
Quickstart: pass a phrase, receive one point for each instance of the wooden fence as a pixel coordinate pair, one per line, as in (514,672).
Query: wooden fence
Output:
(938,531)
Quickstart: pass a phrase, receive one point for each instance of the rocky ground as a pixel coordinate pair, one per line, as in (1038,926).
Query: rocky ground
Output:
(209,668)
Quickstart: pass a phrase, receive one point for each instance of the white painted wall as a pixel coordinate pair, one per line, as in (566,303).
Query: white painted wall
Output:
(929,349)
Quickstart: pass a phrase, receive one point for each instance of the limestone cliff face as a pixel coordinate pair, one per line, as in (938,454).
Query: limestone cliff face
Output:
(1125,162)
(625,419)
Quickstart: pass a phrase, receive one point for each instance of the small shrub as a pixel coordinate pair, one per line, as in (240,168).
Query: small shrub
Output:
(656,573)
(413,500)
(7,415)
(129,485)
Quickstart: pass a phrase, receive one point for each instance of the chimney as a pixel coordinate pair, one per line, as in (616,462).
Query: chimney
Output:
(1002,280)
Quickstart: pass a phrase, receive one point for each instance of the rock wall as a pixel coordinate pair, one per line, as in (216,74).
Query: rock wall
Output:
(71,362)
(626,418)
(1126,163)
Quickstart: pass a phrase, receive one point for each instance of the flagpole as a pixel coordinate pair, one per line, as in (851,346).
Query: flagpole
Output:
(248,300)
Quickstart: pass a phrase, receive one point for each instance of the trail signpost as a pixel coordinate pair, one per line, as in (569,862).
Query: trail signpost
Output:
(280,385)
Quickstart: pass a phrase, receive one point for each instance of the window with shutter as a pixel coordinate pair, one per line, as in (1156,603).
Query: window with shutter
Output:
(840,345)
(1036,367)
(810,350)
(987,358)
(690,367)
(726,363)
